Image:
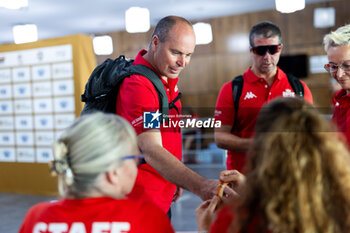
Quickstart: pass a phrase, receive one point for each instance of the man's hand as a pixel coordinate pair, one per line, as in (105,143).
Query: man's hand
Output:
(209,190)
(173,170)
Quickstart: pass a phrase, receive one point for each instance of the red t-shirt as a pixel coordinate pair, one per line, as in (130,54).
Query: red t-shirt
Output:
(341,115)
(95,215)
(255,93)
(137,95)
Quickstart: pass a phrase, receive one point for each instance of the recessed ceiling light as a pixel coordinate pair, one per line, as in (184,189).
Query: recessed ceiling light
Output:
(204,34)
(13,4)
(103,45)
(137,19)
(289,6)
(25,33)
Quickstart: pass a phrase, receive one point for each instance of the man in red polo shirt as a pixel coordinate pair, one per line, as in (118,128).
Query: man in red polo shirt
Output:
(262,82)
(172,44)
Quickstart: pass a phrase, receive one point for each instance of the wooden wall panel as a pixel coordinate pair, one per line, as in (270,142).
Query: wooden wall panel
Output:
(132,43)
(199,76)
(342,9)
(195,103)
(229,66)
(226,27)
(207,102)
(269,15)
(300,30)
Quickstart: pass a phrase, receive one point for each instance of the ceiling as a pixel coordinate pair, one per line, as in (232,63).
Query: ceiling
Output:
(56,18)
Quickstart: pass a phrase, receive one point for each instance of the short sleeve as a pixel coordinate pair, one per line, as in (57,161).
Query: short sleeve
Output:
(224,110)
(136,95)
(307,94)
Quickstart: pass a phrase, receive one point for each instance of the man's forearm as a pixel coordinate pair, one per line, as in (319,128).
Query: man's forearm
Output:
(174,170)
(232,142)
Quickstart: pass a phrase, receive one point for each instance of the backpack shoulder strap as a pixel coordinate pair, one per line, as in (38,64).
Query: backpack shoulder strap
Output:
(172,103)
(237,86)
(157,83)
(296,85)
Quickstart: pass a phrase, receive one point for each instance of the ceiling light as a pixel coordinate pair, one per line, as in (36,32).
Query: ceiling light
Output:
(103,45)
(13,4)
(25,33)
(137,19)
(289,6)
(324,17)
(204,34)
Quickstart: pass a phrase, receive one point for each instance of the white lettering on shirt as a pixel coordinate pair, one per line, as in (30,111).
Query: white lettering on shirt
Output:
(99,227)
(288,93)
(119,227)
(58,227)
(39,227)
(137,120)
(217,113)
(79,227)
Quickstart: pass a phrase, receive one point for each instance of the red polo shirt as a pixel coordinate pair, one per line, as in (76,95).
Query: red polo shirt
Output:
(341,114)
(255,93)
(136,95)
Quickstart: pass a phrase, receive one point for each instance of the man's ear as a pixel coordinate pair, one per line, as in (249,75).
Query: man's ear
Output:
(155,41)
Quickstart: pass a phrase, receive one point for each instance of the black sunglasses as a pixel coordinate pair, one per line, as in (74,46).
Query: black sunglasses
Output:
(261,50)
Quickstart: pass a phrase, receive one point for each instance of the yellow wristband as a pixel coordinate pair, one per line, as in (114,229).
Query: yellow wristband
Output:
(221,189)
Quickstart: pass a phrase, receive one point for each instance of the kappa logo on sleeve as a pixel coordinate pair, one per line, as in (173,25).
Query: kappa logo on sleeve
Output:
(151,120)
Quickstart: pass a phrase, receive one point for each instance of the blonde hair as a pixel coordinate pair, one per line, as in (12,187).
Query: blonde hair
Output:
(90,147)
(337,38)
(298,173)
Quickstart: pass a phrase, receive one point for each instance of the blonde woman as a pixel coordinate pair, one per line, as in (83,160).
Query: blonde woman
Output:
(96,162)
(337,46)
(298,176)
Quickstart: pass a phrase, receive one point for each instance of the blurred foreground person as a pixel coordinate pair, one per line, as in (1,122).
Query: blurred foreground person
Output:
(96,162)
(298,177)
(337,46)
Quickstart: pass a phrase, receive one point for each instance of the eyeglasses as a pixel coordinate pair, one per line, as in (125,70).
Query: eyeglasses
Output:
(139,159)
(261,50)
(333,68)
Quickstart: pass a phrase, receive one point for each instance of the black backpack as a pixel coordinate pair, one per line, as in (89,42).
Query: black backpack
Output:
(103,85)
(237,86)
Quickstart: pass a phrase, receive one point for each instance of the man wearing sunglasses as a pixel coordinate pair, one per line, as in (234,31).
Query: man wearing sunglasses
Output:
(262,82)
